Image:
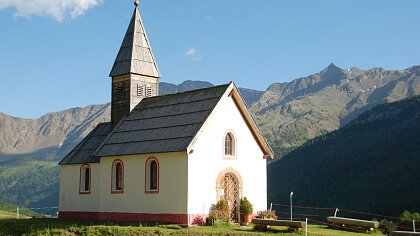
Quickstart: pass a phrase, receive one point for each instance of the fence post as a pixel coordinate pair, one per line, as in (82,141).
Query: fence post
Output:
(17,212)
(271,206)
(336,210)
(414,225)
(306,227)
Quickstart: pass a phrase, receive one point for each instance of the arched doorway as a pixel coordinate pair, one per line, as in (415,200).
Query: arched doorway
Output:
(229,188)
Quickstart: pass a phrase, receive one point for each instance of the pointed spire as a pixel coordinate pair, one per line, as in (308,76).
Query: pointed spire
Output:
(135,54)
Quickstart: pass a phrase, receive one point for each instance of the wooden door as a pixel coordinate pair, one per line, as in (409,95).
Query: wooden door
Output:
(231,195)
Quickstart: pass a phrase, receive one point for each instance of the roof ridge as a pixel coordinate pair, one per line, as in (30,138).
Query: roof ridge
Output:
(178,103)
(188,91)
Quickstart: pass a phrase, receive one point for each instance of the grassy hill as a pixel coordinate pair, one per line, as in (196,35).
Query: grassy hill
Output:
(8,211)
(372,164)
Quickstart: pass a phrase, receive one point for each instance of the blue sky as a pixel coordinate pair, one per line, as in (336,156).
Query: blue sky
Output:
(57,54)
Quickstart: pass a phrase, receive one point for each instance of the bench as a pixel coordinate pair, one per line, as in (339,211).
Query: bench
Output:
(353,222)
(404,233)
(272,222)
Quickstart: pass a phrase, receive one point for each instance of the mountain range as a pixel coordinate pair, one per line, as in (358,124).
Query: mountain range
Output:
(291,113)
(288,114)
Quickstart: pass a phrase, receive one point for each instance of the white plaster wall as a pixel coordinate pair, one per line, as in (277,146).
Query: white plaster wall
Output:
(172,196)
(207,160)
(70,199)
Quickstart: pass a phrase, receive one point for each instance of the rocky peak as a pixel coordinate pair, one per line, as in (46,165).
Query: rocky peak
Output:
(375,71)
(332,68)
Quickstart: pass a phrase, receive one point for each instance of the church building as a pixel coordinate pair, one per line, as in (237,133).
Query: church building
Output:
(166,158)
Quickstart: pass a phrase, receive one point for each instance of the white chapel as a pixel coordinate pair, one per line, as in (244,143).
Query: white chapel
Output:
(166,158)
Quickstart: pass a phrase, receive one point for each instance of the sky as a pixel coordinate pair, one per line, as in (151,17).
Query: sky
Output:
(57,54)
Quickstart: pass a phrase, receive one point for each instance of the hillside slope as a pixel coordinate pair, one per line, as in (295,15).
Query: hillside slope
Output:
(371,164)
(289,114)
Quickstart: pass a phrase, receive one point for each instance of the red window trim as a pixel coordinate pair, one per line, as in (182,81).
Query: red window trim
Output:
(146,178)
(114,163)
(234,146)
(80,179)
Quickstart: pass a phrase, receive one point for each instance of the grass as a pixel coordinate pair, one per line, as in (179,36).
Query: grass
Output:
(7,215)
(53,226)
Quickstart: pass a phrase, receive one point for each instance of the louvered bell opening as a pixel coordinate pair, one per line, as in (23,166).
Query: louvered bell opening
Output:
(149,91)
(120,91)
(140,90)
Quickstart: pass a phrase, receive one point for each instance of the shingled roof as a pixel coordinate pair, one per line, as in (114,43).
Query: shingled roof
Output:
(83,152)
(160,124)
(166,123)
(135,54)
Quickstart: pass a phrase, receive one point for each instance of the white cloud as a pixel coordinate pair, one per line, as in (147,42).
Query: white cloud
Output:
(193,54)
(209,18)
(57,9)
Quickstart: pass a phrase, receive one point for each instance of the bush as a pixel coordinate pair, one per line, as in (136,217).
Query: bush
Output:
(267,214)
(220,211)
(386,227)
(245,207)
(222,205)
(407,220)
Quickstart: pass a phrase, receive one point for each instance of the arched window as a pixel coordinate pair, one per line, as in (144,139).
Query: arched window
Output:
(229,144)
(85,178)
(117,176)
(152,175)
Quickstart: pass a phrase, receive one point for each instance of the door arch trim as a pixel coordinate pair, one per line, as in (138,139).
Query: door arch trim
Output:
(220,185)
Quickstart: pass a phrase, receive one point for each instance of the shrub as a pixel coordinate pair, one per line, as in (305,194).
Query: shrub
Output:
(245,207)
(222,205)
(267,214)
(407,220)
(220,211)
(386,227)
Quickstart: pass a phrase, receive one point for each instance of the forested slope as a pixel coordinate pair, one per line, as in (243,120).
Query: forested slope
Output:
(371,164)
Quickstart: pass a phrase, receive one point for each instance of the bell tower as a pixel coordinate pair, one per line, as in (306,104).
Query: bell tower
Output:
(134,74)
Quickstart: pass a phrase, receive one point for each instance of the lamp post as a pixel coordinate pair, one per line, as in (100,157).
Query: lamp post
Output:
(291,206)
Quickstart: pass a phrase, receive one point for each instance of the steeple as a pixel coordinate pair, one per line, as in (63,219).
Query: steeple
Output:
(135,54)
(134,74)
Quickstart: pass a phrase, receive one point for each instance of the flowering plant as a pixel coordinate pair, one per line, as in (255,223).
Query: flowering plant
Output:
(267,214)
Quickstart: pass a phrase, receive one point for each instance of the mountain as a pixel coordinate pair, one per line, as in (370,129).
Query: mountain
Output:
(167,88)
(50,136)
(249,95)
(370,164)
(289,114)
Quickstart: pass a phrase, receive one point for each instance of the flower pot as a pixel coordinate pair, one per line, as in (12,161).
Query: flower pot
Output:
(246,219)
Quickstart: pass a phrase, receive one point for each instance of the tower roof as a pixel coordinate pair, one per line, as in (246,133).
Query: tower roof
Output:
(135,54)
